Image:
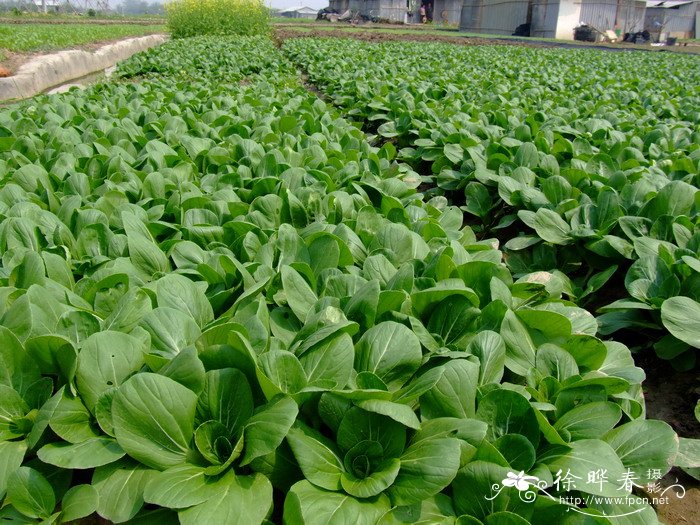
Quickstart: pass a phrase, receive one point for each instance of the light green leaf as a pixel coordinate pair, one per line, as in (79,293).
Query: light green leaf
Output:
(12,409)
(17,369)
(80,501)
(91,453)
(181,487)
(454,395)
(520,350)
(582,457)
(171,331)
(427,467)
(366,485)
(329,364)
(357,426)
(508,412)
(153,419)
(284,371)
(240,500)
(105,361)
(389,350)
(178,292)
(187,369)
(71,420)
(30,493)
(490,348)
(316,457)
(400,413)
(300,297)
(309,505)
(589,420)
(226,398)
(128,312)
(688,453)
(143,251)
(681,316)
(268,427)
(11,457)
(120,489)
(644,446)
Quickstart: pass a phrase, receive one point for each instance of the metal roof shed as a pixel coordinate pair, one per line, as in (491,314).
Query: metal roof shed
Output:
(447,11)
(547,18)
(391,10)
(551,18)
(625,15)
(495,17)
(444,11)
(675,17)
(300,11)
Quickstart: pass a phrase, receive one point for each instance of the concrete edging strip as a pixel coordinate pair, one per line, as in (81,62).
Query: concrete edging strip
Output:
(51,70)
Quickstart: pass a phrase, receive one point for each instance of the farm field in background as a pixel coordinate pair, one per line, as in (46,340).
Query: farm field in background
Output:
(45,37)
(255,281)
(22,38)
(376,31)
(8,17)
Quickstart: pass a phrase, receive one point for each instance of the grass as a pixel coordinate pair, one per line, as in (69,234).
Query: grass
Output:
(22,38)
(75,18)
(285,20)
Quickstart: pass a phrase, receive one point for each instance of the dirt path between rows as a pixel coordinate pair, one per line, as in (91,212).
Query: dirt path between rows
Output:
(671,396)
(369,35)
(380,33)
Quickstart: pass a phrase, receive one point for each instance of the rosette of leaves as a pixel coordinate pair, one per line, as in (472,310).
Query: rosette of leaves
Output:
(202,445)
(372,463)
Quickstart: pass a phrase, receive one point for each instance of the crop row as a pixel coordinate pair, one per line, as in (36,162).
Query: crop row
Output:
(579,161)
(32,37)
(221,304)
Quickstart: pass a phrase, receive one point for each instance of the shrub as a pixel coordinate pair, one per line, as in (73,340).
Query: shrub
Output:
(216,17)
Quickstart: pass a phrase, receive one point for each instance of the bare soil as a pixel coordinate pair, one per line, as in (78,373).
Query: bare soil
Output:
(671,396)
(14,60)
(419,33)
(682,508)
(369,35)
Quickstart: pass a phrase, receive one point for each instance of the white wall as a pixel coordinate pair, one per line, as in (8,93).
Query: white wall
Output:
(555,18)
(569,18)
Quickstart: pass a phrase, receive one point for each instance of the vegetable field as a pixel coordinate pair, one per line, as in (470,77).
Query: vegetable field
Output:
(227,299)
(596,178)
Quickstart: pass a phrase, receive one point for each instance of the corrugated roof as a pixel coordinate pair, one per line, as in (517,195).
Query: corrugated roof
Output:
(299,9)
(668,4)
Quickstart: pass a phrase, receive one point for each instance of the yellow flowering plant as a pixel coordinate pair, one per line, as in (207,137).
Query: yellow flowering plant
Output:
(217,17)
